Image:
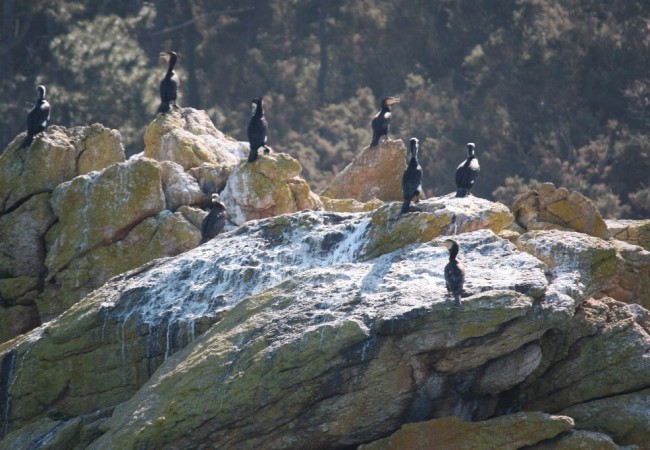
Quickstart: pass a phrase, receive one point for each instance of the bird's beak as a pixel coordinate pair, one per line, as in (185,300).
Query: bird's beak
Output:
(393,100)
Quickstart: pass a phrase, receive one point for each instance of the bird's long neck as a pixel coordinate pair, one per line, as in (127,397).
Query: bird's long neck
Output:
(414,153)
(259,110)
(172,63)
(453,252)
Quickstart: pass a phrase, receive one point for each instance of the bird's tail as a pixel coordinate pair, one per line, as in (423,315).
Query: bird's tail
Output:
(375,141)
(252,156)
(405,206)
(457,298)
(27,141)
(164,107)
(462,192)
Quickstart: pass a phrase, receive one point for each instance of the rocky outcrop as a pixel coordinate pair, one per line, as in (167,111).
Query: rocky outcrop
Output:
(375,173)
(548,207)
(288,333)
(268,187)
(188,137)
(440,215)
(27,179)
(56,156)
(76,214)
(635,232)
(631,282)
(623,417)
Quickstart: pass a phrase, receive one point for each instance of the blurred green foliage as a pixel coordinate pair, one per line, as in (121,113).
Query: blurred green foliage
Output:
(548,90)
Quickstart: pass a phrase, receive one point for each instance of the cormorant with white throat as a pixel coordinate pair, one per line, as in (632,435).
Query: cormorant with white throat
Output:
(169,84)
(412,178)
(467,173)
(454,272)
(215,221)
(257,127)
(38,117)
(382,120)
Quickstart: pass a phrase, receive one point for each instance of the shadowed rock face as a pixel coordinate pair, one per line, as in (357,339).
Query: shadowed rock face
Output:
(288,333)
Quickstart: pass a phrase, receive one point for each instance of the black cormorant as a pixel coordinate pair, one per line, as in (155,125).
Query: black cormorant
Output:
(257,129)
(454,272)
(467,173)
(215,221)
(412,178)
(38,117)
(382,120)
(169,84)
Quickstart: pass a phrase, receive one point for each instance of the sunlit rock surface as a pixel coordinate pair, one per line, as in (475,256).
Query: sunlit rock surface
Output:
(56,155)
(269,186)
(376,172)
(188,137)
(548,207)
(635,232)
(27,179)
(287,333)
(347,205)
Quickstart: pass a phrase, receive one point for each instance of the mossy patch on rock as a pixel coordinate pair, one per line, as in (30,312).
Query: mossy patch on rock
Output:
(510,432)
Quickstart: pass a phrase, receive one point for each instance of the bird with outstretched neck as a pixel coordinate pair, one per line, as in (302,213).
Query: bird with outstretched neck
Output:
(382,120)
(38,118)
(257,128)
(454,272)
(169,84)
(467,172)
(412,178)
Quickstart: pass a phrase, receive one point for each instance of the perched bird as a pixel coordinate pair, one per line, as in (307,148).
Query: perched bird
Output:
(38,117)
(382,120)
(215,221)
(257,127)
(169,84)
(454,272)
(412,178)
(467,173)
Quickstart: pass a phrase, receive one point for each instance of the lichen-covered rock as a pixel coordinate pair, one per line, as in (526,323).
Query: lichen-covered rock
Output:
(376,172)
(603,353)
(635,232)
(585,264)
(180,188)
(631,282)
(188,137)
(57,155)
(102,207)
(268,187)
(348,205)
(623,417)
(163,234)
(549,208)
(22,247)
(19,290)
(509,432)
(440,215)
